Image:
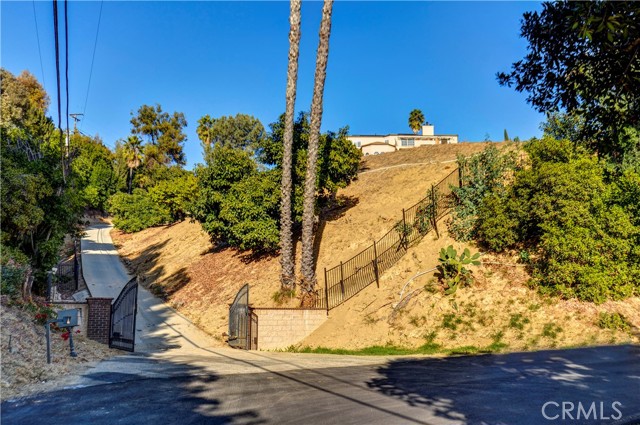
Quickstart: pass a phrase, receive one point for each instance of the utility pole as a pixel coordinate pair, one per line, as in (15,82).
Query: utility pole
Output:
(75,121)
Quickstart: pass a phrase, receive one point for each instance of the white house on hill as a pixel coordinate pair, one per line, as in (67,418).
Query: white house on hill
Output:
(377,144)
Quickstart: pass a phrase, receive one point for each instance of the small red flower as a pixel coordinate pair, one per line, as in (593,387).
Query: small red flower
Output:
(65,336)
(78,331)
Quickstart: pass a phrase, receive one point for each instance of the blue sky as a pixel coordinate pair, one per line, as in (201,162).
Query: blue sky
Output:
(222,58)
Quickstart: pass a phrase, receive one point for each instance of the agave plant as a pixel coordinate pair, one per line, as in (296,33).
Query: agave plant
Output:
(453,272)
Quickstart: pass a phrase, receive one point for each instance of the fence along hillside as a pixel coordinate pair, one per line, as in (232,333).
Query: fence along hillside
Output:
(350,277)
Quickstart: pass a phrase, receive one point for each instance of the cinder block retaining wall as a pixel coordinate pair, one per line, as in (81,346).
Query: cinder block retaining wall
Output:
(280,328)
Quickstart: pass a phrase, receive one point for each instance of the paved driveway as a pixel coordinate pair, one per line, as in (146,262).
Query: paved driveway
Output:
(282,388)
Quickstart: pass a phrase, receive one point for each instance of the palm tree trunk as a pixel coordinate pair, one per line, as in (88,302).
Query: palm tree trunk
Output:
(287,261)
(308,217)
(130,178)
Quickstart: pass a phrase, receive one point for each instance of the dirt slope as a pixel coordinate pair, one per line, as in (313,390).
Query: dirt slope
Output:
(178,263)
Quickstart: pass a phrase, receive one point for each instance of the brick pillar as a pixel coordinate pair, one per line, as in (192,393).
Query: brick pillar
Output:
(99,320)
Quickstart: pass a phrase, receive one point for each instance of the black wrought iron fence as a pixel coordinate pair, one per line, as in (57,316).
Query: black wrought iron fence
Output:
(352,276)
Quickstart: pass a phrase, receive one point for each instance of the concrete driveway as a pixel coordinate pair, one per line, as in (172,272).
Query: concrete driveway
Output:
(158,327)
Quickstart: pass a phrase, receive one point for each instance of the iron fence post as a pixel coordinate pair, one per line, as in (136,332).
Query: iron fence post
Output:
(434,202)
(49,281)
(375,263)
(326,291)
(404,235)
(342,280)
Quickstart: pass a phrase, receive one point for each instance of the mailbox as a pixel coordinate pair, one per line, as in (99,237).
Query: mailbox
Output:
(67,318)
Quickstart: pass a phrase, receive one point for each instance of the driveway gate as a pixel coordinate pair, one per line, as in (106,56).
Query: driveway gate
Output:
(123,317)
(243,322)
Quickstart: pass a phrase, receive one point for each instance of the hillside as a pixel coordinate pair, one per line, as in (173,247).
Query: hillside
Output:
(178,263)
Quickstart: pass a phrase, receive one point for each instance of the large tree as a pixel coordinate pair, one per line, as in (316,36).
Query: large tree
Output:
(132,152)
(309,217)
(240,131)
(164,134)
(287,259)
(584,59)
(416,119)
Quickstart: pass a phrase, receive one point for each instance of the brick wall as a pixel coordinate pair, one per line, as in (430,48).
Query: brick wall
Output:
(280,328)
(99,319)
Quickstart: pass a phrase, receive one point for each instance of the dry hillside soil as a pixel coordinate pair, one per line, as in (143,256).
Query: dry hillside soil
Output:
(24,362)
(178,262)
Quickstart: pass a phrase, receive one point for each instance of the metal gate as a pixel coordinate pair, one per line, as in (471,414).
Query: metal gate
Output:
(123,317)
(243,322)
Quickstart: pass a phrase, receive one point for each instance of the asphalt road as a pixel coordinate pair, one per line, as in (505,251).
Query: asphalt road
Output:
(280,388)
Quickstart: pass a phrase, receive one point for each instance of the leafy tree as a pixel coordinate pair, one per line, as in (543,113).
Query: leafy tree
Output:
(175,193)
(416,119)
(287,260)
(137,211)
(242,132)
(307,266)
(584,58)
(92,167)
(506,135)
(163,133)
(37,210)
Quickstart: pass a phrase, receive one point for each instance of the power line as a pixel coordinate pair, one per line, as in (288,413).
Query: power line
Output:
(38,38)
(57,46)
(66,59)
(93,58)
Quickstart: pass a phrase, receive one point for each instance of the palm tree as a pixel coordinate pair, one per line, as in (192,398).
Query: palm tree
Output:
(416,118)
(133,156)
(287,261)
(308,214)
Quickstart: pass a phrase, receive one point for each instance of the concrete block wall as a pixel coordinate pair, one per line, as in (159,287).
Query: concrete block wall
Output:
(281,328)
(99,319)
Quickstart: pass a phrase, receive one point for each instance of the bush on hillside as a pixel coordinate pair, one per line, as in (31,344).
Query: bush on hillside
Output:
(483,173)
(584,230)
(138,211)
(15,269)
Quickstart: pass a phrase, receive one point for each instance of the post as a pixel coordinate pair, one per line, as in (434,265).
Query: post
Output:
(434,216)
(75,269)
(49,278)
(404,234)
(460,177)
(342,280)
(48,335)
(375,264)
(326,290)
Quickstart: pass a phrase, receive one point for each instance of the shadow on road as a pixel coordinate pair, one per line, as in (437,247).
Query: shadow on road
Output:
(188,395)
(513,388)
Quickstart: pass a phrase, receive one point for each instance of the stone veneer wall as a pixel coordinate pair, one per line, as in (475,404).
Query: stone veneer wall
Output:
(279,328)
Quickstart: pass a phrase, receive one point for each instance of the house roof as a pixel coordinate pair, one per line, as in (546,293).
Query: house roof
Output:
(400,134)
(378,143)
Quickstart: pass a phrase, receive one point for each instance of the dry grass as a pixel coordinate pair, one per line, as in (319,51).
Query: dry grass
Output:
(24,364)
(179,263)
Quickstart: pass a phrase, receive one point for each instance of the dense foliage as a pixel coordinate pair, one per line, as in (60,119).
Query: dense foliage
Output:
(239,188)
(482,174)
(584,57)
(583,230)
(38,208)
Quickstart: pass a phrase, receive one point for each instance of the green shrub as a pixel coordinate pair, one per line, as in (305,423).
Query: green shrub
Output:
(582,228)
(483,173)
(15,268)
(614,321)
(138,211)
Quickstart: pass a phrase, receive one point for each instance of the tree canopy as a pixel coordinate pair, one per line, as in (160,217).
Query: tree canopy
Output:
(163,132)
(416,119)
(584,59)
(240,131)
